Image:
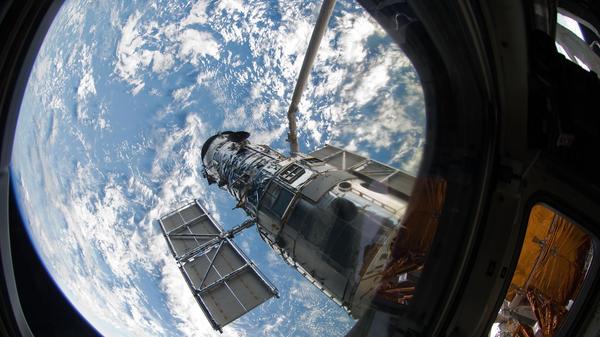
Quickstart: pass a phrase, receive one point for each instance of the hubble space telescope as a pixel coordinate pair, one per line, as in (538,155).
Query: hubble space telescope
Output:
(331,215)
(497,235)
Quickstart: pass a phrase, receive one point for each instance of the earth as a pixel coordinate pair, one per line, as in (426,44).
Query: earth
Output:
(120,100)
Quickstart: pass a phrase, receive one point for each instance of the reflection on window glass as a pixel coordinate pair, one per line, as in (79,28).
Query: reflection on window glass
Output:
(571,43)
(570,24)
(554,261)
(413,241)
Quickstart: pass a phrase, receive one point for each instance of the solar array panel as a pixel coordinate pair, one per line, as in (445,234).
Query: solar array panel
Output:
(225,283)
(189,229)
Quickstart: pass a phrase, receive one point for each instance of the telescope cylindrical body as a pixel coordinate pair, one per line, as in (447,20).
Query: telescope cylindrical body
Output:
(330,224)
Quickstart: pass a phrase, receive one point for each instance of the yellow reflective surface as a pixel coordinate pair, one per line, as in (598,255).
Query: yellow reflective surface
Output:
(552,265)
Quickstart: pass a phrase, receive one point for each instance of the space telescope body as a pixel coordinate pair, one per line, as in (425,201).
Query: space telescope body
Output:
(331,214)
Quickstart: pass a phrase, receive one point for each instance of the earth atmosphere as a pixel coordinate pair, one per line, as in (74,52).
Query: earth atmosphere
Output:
(120,100)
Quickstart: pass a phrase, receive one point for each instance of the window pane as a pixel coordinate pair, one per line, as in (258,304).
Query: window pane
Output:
(552,266)
(283,200)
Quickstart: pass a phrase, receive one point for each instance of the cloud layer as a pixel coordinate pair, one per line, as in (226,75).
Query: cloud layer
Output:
(121,100)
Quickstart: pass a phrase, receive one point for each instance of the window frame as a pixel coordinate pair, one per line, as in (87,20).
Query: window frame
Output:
(586,292)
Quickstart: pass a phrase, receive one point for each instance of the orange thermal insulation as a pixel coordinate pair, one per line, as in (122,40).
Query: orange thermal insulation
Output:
(562,264)
(523,331)
(547,312)
(540,220)
(551,266)
(414,237)
(420,221)
(552,259)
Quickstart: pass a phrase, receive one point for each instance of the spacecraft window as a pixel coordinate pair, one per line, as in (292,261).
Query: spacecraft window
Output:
(553,265)
(118,105)
(574,45)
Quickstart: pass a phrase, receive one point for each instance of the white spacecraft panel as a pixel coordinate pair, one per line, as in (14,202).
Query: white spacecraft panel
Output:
(375,170)
(402,181)
(226,283)
(337,157)
(188,228)
(355,163)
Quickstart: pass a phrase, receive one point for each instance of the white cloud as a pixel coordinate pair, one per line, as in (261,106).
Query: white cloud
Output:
(138,86)
(162,62)
(197,14)
(197,44)
(182,94)
(270,135)
(270,329)
(134,56)
(204,77)
(354,33)
(375,79)
(231,6)
(129,57)
(86,87)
